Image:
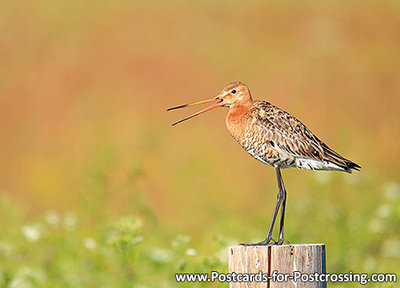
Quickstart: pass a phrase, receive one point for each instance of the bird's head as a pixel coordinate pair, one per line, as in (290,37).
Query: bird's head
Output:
(233,94)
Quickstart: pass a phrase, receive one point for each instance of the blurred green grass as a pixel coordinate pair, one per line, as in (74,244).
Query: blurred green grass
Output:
(85,138)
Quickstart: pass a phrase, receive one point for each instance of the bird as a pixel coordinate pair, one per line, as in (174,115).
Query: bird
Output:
(273,137)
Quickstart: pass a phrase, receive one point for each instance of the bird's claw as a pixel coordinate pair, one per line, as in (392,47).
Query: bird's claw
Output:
(281,241)
(266,242)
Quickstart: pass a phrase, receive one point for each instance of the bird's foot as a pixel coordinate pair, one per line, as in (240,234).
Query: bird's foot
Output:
(281,241)
(267,242)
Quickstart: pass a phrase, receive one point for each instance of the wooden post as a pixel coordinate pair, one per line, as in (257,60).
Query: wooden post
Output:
(279,261)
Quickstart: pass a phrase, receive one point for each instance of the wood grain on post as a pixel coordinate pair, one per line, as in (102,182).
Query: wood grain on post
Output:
(285,259)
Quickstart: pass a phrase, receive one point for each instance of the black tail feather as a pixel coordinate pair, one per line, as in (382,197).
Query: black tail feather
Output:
(351,165)
(339,160)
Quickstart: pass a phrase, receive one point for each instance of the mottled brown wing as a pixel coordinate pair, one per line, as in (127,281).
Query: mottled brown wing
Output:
(292,136)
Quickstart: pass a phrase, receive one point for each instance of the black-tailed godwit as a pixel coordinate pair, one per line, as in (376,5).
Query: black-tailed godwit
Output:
(273,137)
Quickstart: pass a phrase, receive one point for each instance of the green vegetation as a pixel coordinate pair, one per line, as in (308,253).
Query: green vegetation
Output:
(60,249)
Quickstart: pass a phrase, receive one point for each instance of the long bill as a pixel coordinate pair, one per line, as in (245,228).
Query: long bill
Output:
(216,105)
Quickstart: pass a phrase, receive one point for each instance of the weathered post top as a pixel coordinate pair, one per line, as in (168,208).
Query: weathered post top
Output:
(285,266)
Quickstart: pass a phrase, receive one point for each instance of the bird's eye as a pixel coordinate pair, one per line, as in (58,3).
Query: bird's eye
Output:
(233,91)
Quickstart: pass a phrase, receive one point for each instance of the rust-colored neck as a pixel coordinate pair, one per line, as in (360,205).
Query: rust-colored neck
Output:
(236,120)
(240,108)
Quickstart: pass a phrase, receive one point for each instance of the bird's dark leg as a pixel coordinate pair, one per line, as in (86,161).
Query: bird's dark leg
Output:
(282,222)
(280,198)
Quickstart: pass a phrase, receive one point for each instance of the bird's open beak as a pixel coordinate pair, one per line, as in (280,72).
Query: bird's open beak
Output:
(216,105)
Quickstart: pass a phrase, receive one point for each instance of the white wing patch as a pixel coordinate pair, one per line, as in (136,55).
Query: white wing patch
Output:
(311,164)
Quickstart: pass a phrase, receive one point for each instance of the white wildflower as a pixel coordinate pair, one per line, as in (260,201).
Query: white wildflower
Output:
(31,233)
(384,211)
(53,218)
(27,278)
(90,243)
(137,239)
(70,221)
(191,252)
(160,255)
(222,256)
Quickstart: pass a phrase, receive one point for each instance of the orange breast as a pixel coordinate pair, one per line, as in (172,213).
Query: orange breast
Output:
(237,122)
